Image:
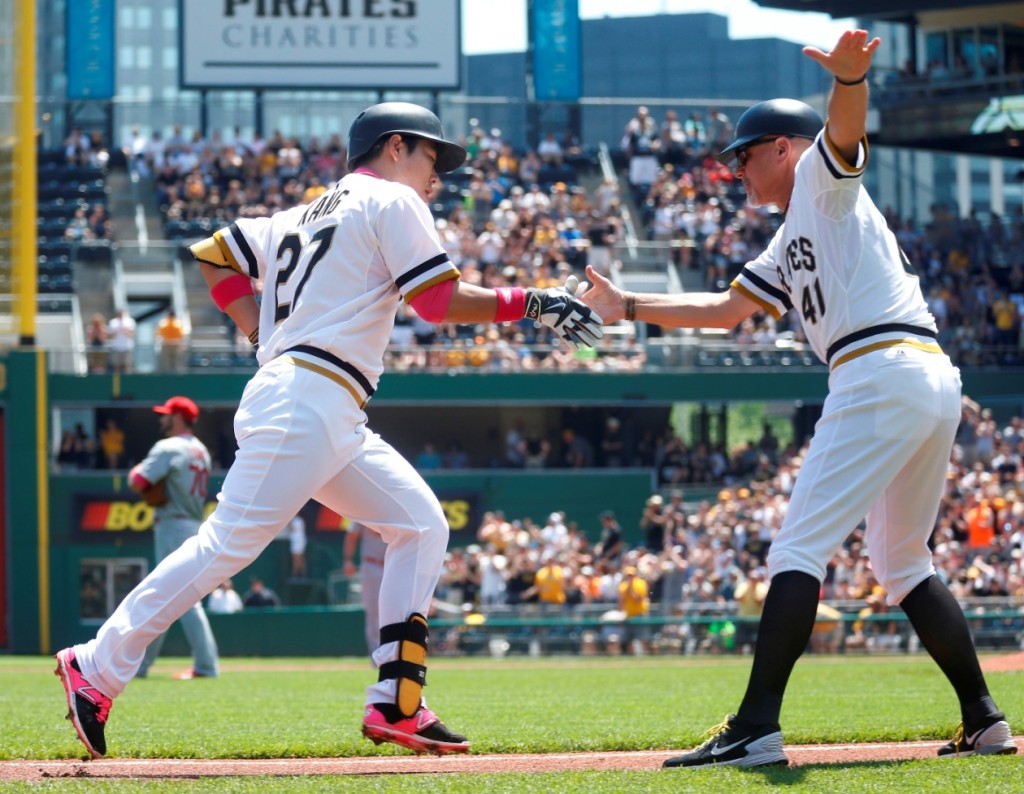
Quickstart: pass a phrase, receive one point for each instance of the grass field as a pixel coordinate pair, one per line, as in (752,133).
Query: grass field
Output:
(299,708)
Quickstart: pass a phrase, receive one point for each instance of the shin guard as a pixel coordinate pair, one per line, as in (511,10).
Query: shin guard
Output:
(410,668)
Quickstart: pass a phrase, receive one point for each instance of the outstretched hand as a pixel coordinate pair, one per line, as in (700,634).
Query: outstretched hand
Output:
(850,58)
(574,322)
(604,297)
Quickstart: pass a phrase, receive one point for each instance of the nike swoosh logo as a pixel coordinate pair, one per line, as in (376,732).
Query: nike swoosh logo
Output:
(718,750)
(974,737)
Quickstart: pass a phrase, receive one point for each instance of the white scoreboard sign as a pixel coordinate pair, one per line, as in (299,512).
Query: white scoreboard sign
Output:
(320,44)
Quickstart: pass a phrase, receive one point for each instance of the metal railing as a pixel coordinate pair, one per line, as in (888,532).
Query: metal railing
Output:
(690,629)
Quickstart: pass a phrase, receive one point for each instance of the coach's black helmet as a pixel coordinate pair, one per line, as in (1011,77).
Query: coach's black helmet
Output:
(789,117)
(402,117)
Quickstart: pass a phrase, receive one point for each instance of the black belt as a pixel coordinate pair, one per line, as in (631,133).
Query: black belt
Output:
(332,367)
(334,361)
(876,330)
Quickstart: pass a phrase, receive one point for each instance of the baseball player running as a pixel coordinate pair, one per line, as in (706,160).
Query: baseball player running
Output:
(177,470)
(334,273)
(881,447)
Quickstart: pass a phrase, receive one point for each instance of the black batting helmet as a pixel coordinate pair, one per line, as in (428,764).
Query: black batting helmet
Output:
(789,117)
(407,119)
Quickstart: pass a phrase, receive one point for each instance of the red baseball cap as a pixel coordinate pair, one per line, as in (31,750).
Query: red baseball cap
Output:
(182,406)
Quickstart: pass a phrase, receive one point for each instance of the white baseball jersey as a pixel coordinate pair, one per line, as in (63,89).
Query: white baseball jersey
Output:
(183,462)
(836,261)
(331,301)
(334,272)
(881,447)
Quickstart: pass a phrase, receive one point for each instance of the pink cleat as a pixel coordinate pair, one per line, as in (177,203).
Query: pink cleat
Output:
(188,675)
(87,706)
(421,733)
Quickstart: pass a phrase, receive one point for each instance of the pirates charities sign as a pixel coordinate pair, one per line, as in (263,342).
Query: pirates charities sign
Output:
(320,44)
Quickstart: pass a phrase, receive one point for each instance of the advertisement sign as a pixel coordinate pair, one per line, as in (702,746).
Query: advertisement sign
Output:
(90,49)
(555,27)
(320,44)
(108,517)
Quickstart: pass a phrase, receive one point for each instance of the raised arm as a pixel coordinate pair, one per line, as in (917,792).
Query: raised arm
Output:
(848,62)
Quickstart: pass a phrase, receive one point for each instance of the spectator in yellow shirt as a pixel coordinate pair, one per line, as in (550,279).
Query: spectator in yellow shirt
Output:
(549,583)
(634,594)
(112,444)
(171,334)
(634,602)
(750,595)
(1004,316)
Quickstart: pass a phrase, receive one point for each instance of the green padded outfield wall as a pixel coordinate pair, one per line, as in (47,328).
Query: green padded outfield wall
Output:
(45,542)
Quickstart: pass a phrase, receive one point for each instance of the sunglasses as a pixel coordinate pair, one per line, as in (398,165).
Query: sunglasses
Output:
(743,153)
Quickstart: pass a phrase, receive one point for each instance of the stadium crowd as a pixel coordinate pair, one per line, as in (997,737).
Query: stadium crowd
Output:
(525,217)
(972,274)
(702,558)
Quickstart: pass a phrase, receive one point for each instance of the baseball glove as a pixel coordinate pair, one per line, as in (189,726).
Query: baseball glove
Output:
(156,494)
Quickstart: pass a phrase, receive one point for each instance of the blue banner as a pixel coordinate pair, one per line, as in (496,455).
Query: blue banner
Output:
(555,27)
(90,49)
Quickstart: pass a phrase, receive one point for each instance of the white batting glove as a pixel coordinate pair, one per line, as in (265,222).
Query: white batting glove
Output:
(574,322)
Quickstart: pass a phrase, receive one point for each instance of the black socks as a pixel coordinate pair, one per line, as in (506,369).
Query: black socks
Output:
(785,630)
(942,628)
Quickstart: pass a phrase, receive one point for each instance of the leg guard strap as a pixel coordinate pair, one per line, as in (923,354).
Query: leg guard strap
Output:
(409,668)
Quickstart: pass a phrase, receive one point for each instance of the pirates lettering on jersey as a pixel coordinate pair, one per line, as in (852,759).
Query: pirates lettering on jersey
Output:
(800,256)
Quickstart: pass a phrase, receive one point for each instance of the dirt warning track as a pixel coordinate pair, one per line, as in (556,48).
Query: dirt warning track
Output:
(156,768)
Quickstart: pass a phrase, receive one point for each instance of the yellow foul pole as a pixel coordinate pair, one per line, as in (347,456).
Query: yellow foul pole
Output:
(24,242)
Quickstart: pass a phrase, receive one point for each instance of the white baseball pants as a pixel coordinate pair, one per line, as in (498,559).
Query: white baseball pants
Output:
(881,450)
(300,436)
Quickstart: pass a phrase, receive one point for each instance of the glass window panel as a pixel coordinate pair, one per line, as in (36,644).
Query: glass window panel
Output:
(937,49)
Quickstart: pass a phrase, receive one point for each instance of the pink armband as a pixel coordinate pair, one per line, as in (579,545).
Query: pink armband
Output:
(231,289)
(432,304)
(511,304)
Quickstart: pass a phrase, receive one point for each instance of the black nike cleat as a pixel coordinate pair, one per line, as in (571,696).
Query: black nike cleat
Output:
(736,744)
(992,738)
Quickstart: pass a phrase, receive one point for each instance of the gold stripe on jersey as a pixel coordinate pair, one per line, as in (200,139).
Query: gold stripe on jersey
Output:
(927,347)
(765,305)
(834,154)
(303,364)
(214,251)
(410,296)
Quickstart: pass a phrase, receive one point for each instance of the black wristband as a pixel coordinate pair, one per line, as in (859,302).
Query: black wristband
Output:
(858,81)
(254,338)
